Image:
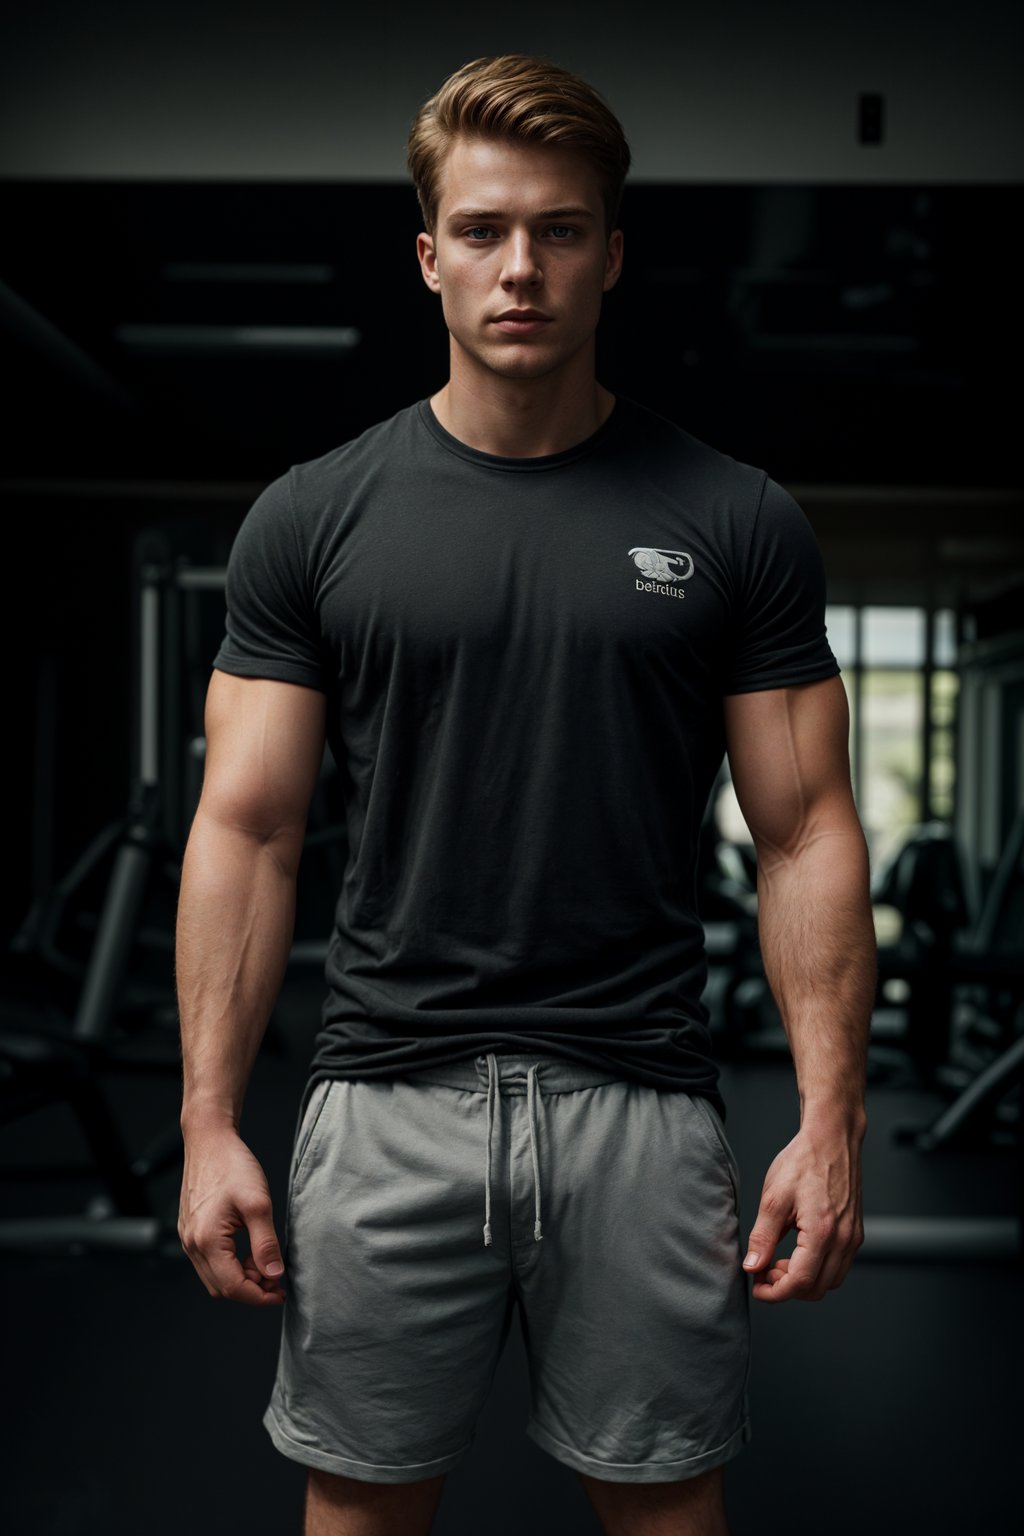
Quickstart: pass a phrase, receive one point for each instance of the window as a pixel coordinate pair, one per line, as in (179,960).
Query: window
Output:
(899,670)
(903,751)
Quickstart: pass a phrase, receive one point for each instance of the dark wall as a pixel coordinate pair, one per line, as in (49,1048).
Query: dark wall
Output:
(736,92)
(838,333)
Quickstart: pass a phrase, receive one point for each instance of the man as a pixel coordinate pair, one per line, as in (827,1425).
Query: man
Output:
(530,617)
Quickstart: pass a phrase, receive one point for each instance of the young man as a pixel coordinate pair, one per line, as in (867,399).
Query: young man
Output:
(530,618)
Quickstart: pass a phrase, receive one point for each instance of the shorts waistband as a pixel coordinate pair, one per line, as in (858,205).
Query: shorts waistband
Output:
(533,1073)
(553,1074)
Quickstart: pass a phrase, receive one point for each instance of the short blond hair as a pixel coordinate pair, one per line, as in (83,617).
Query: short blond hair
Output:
(527,100)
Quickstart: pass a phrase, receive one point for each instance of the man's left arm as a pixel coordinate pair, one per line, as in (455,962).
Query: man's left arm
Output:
(789,758)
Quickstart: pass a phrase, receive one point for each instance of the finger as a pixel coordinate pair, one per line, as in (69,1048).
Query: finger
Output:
(833,1272)
(764,1239)
(263,1244)
(230,1276)
(248,1286)
(838,1256)
(843,1264)
(271,1289)
(253,1271)
(852,1248)
(203,1272)
(200,1266)
(805,1263)
(802,1272)
(190,1251)
(252,1294)
(216,1261)
(221,1260)
(765,1287)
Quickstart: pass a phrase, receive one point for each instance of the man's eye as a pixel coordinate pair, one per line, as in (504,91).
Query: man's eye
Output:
(562,230)
(478,229)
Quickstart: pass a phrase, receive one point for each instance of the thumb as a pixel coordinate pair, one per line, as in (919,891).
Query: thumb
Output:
(764,1239)
(266,1249)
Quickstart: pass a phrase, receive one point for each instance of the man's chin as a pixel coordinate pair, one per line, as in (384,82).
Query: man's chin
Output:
(526,359)
(520,362)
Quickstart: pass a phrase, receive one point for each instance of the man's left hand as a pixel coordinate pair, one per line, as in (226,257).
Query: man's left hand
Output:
(814,1185)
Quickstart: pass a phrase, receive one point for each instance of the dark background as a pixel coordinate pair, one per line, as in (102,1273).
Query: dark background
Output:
(841,312)
(844,338)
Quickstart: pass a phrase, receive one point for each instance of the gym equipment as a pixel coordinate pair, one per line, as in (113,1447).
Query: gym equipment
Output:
(941,1239)
(953,967)
(50,1062)
(924,882)
(988,962)
(47,1063)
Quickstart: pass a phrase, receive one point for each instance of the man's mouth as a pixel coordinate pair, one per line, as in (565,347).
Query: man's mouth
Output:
(521,321)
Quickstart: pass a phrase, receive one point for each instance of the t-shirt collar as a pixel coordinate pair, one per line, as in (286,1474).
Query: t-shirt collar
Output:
(519,465)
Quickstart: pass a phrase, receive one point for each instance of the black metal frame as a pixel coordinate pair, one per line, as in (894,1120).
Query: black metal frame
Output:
(42,1065)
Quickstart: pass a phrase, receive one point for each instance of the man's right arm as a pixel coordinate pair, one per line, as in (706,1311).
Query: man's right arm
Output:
(236,915)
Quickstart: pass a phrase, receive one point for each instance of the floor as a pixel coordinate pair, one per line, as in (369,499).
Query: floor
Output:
(133,1402)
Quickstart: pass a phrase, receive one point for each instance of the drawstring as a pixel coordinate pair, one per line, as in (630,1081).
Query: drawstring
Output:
(492,1094)
(491,1085)
(531,1086)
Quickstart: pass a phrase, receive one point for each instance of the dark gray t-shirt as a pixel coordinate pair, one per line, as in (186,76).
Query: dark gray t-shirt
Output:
(524,661)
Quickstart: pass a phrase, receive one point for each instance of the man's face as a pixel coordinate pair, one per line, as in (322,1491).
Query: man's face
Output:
(519,227)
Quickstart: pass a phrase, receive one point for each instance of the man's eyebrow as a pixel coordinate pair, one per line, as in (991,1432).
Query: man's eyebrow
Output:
(459,214)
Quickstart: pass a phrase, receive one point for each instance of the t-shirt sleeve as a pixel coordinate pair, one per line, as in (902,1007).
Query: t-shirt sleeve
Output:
(270,628)
(780,633)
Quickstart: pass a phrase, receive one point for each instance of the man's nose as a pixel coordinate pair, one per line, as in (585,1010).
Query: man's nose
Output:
(521,264)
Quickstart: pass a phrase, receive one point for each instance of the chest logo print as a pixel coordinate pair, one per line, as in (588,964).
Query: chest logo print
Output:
(661,567)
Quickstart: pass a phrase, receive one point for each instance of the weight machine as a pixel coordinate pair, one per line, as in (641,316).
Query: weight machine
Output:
(50,1058)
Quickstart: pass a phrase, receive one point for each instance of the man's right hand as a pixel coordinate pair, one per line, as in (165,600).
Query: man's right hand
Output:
(223,1191)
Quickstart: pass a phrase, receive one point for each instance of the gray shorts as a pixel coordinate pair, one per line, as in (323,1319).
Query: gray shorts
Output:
(422,1209)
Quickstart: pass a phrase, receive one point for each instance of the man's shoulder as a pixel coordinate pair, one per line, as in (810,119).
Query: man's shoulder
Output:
(672,447)
(375,444)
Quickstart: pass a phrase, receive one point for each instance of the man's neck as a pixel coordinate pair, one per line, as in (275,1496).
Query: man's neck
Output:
(521,418)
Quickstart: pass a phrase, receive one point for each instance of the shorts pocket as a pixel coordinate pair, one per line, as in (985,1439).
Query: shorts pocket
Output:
(309,1131)
(718,1139)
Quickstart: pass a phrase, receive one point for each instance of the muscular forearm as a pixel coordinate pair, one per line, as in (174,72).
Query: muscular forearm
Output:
(236,918)
(818,948)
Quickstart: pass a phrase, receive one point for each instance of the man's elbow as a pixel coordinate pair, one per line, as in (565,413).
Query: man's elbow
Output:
(829,827)
(258,828)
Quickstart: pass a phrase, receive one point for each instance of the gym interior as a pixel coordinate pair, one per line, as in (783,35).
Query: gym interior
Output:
(826,291)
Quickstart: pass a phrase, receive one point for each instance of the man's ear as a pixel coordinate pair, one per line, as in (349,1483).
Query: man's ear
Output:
(427,255)
(613,260)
